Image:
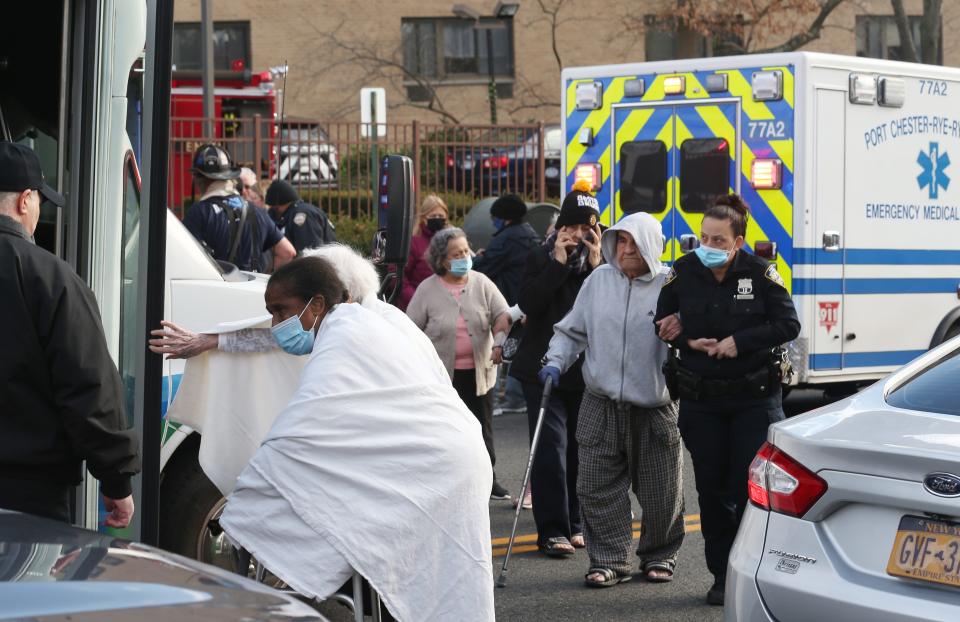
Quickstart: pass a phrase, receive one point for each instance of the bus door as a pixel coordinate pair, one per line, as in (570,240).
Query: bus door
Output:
(671,159)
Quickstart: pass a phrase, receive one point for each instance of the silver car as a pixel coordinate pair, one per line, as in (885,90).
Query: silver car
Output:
(50,570)
(855,507)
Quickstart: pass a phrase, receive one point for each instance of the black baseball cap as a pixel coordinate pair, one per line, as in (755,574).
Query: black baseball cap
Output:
(20,170)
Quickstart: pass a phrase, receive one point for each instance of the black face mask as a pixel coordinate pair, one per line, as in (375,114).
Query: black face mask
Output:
(436,224)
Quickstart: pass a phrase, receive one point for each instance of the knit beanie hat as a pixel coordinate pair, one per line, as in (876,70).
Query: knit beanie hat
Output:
(509,207)
(280,193)
(579,207)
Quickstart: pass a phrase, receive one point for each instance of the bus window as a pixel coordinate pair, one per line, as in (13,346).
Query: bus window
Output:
(643,177)
(704,172)
(129,271)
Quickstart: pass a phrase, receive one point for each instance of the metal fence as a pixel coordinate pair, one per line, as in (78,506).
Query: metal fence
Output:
(336,165)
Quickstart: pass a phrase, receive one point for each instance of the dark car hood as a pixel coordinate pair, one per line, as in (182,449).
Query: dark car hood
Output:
(50,571)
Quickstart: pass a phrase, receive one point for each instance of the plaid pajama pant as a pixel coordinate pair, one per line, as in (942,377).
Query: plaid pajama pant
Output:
(622,446)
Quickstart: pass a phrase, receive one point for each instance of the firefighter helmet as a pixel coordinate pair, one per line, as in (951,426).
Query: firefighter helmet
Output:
(212,162)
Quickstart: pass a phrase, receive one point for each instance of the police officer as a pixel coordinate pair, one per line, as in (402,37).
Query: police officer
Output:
(305,225)
(734,311)
(231,228)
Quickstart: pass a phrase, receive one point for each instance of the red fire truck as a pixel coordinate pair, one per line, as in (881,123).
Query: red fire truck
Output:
(245,106)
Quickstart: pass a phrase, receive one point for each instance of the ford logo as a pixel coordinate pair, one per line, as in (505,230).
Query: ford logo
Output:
(942,484)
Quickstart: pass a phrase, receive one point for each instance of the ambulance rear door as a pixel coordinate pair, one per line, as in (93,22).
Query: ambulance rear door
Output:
(671,159)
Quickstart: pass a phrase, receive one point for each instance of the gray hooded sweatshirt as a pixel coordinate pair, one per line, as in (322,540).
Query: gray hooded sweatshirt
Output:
(612,320)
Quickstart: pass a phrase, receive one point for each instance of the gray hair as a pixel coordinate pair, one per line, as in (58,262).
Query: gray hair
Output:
(437,251)
(357,273)
(8,201)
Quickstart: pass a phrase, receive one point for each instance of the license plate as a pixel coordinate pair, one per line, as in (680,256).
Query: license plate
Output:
(926,550)
(551,171)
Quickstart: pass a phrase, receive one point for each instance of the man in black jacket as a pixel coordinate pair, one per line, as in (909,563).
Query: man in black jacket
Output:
(552,279)
(305,225)
(61,398)
(504,258)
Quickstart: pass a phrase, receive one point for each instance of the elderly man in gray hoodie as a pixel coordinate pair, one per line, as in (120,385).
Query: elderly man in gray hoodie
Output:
(627,427)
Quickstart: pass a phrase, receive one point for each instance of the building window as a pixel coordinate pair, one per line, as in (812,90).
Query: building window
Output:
(451,50)
(231,46)
(878,36)
(664,41)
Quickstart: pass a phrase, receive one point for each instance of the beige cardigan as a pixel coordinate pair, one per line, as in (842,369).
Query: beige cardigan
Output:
(434,309)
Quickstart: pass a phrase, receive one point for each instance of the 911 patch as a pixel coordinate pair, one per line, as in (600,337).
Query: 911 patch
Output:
(671,276)
(299,219)
(774,276)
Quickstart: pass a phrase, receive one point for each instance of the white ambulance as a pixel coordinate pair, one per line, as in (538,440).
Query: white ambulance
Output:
(848,165)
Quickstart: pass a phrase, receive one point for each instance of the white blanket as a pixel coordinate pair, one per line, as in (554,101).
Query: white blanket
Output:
(375,465)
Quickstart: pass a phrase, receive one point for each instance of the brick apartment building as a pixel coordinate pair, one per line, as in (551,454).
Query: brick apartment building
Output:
(414,48)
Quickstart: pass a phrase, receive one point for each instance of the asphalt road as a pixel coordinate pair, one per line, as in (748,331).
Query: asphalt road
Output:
(550,590)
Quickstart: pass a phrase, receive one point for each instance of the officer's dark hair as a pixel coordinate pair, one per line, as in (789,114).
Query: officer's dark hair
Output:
(733,208)
(309,277)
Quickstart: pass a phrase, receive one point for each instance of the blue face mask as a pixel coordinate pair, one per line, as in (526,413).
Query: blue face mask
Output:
(291,337)
(712,257)
(499,224)
(460,267)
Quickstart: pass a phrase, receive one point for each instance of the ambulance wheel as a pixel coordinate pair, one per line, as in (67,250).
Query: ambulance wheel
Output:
(189,501)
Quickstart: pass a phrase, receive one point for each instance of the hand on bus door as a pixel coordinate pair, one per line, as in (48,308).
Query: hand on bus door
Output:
(179,343)
(120,511)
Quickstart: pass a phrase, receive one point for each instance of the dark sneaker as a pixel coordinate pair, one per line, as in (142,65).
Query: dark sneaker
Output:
(499,493)
(715,595)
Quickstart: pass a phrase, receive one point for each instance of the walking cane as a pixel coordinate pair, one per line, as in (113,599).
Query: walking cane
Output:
(547,387)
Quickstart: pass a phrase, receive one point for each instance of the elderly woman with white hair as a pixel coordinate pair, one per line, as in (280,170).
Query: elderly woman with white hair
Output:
(461,310)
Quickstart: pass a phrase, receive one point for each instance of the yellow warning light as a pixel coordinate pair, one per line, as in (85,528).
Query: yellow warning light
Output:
(674,85)
(589,172)
(766,174)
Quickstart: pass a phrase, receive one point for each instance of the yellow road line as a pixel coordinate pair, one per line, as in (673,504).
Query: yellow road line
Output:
(500,551)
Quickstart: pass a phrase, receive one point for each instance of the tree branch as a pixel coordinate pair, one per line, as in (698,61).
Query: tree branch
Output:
(908,48)
(812,33)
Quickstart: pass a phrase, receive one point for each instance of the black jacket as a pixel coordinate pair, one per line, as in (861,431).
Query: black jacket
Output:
(504,258)
(305,225)
(547,293)
(61,398)
(751,304)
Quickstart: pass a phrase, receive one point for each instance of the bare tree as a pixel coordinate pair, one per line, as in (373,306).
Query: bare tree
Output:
(369,62)
(931,29)
(532,96)
(742,25)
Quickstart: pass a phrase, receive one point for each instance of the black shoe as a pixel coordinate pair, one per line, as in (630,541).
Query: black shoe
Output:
(499,493)
(715,595)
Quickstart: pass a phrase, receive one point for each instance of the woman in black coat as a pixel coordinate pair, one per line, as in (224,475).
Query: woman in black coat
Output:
(551,281)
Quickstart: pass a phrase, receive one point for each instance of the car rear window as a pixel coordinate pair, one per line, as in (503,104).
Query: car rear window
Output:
(934,390)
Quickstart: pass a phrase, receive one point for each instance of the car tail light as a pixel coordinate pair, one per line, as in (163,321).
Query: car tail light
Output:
(766,174)
(779,483)
(765,250)
(589,172)
(496,162)
(450,161)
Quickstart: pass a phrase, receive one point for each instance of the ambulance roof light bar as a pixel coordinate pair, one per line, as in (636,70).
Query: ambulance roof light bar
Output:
(863,89)
(590,172)
(891,92)
(767,85)
(674,85)
(766,174)
(589,95)
(716,82)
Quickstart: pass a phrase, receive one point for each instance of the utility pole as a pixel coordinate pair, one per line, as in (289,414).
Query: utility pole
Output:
(206,66)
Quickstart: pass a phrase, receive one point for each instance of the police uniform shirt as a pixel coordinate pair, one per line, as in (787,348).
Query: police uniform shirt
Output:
(208,221)
(751,304)
(305,225)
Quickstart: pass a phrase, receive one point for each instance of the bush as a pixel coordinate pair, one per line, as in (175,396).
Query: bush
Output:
(356,232)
